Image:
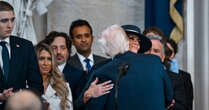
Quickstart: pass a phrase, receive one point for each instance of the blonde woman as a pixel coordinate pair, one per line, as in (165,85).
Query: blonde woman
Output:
(56,91)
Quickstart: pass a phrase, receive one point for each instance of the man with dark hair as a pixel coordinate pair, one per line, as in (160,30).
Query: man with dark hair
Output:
(53,34)
(81,35)
(18,62)
(172,49)
(152,30)
(61,46)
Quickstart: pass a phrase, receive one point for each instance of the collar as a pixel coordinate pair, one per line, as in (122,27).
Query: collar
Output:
(90,57)
(49,92)
(61,67)
(6,40)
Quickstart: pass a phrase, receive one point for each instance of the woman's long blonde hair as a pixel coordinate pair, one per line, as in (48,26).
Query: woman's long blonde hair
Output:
(55,77)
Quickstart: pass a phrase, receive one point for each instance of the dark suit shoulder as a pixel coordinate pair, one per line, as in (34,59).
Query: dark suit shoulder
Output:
(20,40)
(69,68)
(98,59)
(173,75)
(184,73)
(100,64)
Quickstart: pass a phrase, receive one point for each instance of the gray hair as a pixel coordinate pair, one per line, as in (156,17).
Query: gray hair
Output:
(114,41)
(160,38)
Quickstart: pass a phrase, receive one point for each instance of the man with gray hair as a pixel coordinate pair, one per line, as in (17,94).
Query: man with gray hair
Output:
(24,100)
(158,49)
(137,87)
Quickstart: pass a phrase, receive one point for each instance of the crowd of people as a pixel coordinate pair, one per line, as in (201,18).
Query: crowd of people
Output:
(141,72)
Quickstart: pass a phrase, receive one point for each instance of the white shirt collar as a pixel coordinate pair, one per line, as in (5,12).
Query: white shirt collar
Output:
(61,67)
(82,58)
(6,40)
(9,49)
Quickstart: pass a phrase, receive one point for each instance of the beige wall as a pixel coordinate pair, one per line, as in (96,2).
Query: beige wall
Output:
(99,13)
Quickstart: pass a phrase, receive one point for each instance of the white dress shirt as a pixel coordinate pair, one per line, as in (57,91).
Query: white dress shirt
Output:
(9,49)
(61,67)
(82,58)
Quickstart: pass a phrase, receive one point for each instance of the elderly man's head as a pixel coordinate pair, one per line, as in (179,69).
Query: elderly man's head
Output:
(24,100)
(114,40)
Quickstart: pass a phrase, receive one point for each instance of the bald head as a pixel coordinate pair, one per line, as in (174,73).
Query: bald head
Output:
(24,100)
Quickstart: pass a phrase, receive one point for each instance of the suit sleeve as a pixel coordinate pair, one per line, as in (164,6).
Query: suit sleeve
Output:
(34,79)
(188,89)
(100,102)
(179,92)
(168,89)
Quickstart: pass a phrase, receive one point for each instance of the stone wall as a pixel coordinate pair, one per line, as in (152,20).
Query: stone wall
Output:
(99,13)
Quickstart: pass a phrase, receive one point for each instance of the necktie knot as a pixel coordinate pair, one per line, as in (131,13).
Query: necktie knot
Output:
(3,43)
(88,65)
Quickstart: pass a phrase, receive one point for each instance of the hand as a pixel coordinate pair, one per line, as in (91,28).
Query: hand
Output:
(97,90)
(6,93)
(172,104)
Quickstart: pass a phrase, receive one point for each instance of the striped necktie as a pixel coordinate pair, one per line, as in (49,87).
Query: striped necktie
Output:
(88,66)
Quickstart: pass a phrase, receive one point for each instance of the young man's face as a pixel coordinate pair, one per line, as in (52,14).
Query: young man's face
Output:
(82,39)
(6,23)
(60,50)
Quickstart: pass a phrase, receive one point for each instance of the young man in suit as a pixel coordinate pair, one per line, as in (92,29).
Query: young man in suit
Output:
(18,62)
(81,34)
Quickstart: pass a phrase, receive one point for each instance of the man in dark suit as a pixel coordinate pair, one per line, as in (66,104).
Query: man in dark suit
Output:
(61,46)
(81,35)
(171,51)
(141,88)
(18,62)
(158,48)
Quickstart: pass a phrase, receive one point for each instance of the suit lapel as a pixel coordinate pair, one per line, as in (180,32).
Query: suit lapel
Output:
(14,59)
(78,62)
(95,59)
(1,74)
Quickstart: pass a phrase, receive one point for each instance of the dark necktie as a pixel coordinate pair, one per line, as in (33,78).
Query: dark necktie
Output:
(88,66)
(5,58)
